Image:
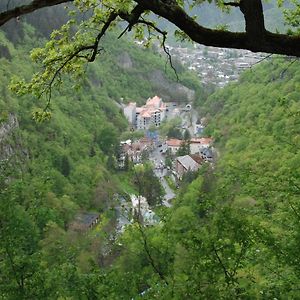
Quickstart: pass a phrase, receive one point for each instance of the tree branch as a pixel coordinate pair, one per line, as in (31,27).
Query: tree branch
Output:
(163,44)
(226,273)
(75,54)
(256,38)
(26,9)
(235,4)
(254,19)
(269,42)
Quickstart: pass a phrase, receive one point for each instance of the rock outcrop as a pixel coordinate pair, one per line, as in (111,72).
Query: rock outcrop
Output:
(124,61)
(10,142)
(169,90)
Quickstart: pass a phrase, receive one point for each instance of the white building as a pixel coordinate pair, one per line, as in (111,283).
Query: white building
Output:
(152,113)
(130,112)
(198,144)
(174,145)
(140,207)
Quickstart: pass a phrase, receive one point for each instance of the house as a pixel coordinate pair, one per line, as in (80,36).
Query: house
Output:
(198,144)
(85,221)
(152,113)
(187,163)
(173,145)
(135,150)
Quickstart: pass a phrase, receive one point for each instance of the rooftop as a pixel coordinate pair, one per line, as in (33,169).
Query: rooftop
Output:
(155,101)
(174,142)
(188,162)
(146,114)
(206,141)
(197,158)
(86,218)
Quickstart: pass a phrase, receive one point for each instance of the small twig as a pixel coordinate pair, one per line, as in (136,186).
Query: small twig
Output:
(294,210)
(165,48)
(124,31)
(235,4)
(144,238)
(226,273)
(266,57)
(289,65)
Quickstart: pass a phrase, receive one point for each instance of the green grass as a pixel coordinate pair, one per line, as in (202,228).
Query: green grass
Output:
(171,182)
(124,182)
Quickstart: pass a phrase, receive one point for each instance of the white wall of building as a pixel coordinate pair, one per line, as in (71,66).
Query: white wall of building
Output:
(130,113)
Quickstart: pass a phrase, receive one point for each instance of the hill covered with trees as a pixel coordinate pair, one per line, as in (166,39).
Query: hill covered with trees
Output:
(53,170)
(232,233)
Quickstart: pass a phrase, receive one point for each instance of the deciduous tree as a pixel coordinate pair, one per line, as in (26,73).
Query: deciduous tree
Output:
(68,52)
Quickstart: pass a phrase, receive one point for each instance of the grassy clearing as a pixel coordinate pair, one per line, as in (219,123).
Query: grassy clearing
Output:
(124,182)
(171,182)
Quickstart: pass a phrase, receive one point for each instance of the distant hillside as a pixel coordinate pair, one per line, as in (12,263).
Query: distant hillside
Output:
(232,232)
(211,16)
(84,113)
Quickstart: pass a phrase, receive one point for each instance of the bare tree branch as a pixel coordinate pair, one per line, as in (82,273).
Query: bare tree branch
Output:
(226,273)
(235,4)
(164,38)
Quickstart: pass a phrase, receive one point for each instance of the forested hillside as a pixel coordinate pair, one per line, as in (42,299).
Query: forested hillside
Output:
(233,233)
(53,170)
(233,230)
(208,14)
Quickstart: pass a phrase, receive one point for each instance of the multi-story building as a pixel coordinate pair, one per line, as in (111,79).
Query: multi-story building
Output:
(130,112)
(152,113)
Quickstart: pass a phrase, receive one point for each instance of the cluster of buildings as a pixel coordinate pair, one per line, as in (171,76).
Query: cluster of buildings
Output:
(197,145)
(216,66)
(150,114)
(200,152)
(135,150)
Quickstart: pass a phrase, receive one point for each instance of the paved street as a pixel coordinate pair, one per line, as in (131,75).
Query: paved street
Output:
(169,193)
(157,158)
(189,119)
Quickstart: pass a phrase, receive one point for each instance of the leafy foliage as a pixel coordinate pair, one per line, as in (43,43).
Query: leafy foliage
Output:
(67,167)
(232,233)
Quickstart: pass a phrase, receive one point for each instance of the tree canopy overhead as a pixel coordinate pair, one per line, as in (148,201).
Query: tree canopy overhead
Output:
(79,40)
(134,12)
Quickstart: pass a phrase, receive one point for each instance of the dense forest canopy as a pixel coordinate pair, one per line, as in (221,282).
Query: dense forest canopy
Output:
(233,229)
(232,233)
